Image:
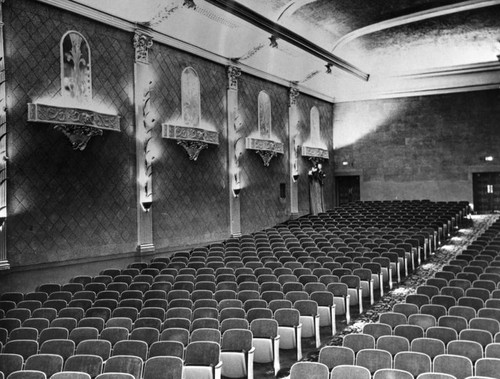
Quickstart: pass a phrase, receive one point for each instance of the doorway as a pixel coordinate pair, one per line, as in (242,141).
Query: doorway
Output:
(486,192)
(348,189)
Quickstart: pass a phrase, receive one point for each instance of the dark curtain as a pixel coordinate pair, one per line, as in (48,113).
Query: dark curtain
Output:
(316,195)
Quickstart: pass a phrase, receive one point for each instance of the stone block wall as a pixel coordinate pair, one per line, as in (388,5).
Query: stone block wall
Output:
(418,147)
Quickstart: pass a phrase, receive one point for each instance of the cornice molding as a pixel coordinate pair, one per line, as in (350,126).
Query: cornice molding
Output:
(163,39)
(465,78)
(91,13)
(452,70)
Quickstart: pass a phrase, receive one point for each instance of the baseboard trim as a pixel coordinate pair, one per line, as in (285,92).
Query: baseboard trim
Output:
(132,255)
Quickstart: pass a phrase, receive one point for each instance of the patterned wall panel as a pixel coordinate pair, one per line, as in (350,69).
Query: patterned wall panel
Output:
(304,105)
(261,204)
(190,197)
(66,204)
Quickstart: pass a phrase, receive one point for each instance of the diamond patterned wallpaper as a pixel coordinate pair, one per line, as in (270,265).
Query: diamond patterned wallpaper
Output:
(66,204)
(305,103)
(261,205)
(191,197)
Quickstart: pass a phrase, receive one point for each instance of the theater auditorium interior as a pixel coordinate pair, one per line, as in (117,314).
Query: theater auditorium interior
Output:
(214,189)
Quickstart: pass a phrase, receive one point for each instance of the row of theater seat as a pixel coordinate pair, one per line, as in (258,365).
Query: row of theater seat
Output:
(450,325)
(485,368)
(46,366)
(232,355)
(299,246)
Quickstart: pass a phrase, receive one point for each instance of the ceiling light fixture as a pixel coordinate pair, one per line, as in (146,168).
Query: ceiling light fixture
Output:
(274,41)
(189,4)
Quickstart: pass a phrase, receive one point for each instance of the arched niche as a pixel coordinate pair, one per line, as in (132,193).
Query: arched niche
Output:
(189,131)
(265,145)
(314,148)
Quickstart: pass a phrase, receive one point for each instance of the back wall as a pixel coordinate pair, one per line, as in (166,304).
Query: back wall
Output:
(422,147)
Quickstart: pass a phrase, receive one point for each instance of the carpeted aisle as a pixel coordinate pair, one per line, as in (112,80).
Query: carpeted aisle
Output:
(475,226)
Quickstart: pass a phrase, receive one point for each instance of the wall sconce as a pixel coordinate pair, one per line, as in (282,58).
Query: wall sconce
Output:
(295,177)
(236,190)
(146,197)
(488,158)
(146,205)
(236,185)
(3,210)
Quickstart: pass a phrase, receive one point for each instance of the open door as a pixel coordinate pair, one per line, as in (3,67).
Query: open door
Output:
(486,192)
(347,189)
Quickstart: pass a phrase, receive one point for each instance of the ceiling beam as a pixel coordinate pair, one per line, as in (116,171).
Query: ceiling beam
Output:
(286,35)
(414,17)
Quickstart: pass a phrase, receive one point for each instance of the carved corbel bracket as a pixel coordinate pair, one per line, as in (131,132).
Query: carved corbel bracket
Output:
(267,149)
(79,125)
(193,148)
(78,135)
(193,140)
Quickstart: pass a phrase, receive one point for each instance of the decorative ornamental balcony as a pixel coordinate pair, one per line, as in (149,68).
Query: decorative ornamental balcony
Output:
(314,153)
(192,139)
(73,112)
(78,124)
(266,148)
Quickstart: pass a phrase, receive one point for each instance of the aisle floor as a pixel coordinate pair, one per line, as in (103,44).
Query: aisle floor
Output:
(473,227)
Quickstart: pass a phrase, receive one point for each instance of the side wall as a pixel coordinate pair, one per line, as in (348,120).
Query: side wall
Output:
(71,209)
(261,204)
(66,205)
(190,197)
(418,147)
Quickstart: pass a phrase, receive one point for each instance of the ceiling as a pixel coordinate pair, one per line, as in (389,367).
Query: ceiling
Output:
(382,38)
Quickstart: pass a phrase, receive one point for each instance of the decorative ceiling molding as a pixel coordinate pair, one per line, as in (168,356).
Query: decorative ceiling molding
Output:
(466,78)
(163,39)
(290,9)
(414,17)
(92,13)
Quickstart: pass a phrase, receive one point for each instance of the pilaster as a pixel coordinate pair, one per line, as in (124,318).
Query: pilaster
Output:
(293,133)
(4,263)
(236,144)
(144,121)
